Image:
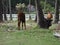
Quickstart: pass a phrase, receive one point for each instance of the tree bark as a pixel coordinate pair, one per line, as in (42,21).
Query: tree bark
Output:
(5,9)
(57,11)
(5,17)
(40,15)
(10,10)
(36,18)
(29,10)
(1,10)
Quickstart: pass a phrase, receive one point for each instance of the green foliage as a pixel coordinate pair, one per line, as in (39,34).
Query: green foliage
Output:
(47,7)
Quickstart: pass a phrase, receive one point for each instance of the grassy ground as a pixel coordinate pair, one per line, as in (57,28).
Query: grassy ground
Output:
(31,36)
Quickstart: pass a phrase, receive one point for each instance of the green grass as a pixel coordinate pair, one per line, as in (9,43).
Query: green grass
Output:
(35,36)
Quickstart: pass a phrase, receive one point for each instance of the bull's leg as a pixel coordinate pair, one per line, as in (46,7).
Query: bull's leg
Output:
(25,25)
(22,25)
(18,25)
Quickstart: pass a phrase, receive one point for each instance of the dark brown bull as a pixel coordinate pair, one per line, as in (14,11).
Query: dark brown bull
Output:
(21,19)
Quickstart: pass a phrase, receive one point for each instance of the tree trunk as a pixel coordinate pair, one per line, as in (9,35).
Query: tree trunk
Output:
(40,15)
(5,9)
(5,17)
(29,10)
(1,10)
(10,10)
(57,11)
(36,18)
(41,21)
